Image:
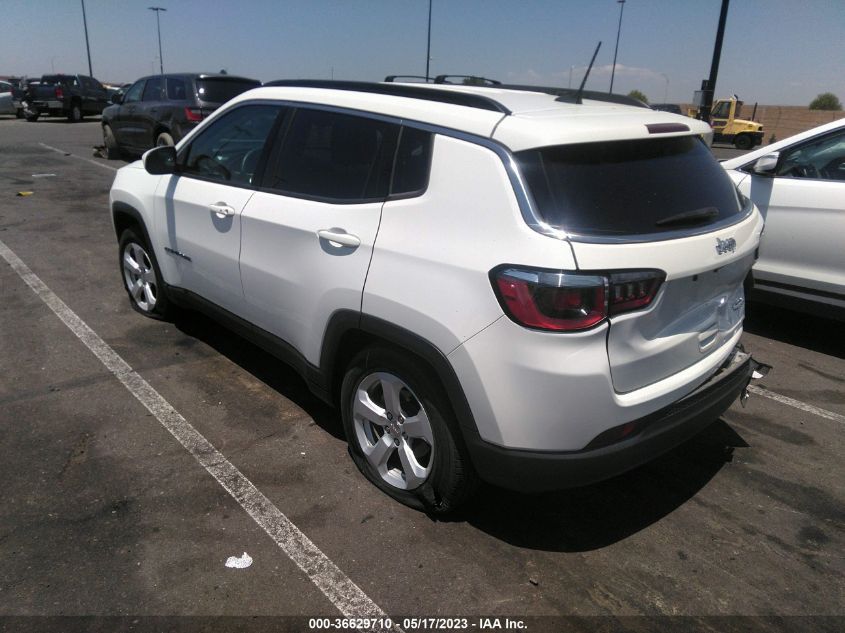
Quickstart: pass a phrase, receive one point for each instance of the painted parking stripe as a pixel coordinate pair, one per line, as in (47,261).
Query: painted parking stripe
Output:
(87,160)
(803,406)
(349,599)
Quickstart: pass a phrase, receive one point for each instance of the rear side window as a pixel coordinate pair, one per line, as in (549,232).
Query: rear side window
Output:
(177,90)
(219,90)
(340,157)
(629,187)
(413,160)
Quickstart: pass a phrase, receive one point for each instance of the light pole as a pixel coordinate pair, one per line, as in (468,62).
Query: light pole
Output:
(428,46)
(158,26)
(618,32)
(87,47)
(570,75)
(666,92)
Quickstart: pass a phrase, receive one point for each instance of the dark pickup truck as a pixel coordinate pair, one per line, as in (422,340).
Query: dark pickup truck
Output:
(73,96)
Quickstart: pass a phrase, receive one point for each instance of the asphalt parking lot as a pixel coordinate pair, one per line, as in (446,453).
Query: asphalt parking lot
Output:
(106,513)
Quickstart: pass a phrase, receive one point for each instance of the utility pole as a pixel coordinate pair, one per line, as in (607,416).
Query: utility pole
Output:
(708,86)
(428,47)
(158,26)
(618,32)
(87,47)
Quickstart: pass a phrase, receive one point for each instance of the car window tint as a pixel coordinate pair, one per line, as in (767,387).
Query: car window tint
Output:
(820,159)
(134,93)
(335,156)
(413,158)
(176,89)
(629,187)
(152,91)
(230,149)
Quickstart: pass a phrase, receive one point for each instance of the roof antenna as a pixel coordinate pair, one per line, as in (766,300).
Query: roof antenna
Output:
(586,74)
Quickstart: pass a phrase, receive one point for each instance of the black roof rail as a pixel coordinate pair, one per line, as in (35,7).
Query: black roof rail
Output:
(453,97)
(570,95)
(473,80)
(392,78)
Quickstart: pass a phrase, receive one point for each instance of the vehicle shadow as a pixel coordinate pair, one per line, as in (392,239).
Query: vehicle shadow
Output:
(595,516)
(263,366)
(795,328)
(576,520)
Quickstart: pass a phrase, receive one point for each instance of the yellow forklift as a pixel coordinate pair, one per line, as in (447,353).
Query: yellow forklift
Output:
(729,128)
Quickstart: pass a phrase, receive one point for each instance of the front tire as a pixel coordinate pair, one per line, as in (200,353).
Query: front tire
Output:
(402,434)
(110,142)
(743,141)
(141,276)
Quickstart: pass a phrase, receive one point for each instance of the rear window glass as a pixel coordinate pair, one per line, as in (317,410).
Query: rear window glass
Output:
(413,159)
(221,90)
(629,187)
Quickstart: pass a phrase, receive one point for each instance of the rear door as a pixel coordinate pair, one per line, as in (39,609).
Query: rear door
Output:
(308,235)
(653,205)
(198,209)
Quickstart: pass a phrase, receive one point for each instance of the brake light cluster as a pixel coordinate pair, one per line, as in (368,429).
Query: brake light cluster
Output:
(566,302)
(60,93)
(194,114)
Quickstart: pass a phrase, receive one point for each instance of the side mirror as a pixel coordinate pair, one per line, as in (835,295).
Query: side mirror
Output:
(117,98)
(160,160)
(766,165)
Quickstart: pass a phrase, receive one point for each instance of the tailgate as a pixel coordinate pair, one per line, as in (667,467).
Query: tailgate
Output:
(697,310)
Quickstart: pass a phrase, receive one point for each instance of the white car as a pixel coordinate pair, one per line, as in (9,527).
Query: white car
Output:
(799,186)
(524,286)
(8,104)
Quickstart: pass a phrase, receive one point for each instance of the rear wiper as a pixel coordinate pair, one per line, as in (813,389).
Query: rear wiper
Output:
(696,216)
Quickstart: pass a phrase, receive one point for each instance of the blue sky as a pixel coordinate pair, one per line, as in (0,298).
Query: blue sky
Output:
(775,51)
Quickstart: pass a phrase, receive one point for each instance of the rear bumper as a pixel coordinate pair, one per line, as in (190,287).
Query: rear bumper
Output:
(661,431)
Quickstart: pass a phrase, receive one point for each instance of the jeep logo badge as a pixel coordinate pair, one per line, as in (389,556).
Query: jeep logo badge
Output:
(725,246)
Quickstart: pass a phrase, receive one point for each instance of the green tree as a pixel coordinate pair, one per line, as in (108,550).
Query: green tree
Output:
(826,101)
(636,94)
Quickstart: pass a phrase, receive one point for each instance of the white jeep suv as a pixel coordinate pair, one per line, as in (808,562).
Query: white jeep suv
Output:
(532,287)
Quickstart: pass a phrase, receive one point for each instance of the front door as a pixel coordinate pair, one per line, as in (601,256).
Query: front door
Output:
(198,209)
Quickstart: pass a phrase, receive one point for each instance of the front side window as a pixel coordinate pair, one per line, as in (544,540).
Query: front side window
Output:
(134,93)
(629,187)
(230,149)
(341,157)
(152,91)
(820,159)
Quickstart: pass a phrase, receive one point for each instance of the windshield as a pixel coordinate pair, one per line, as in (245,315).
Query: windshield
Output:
(629,187)
(220,90)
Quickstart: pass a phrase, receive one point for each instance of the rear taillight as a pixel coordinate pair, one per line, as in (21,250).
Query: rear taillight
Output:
(193,114)
(60,93)
(565,302)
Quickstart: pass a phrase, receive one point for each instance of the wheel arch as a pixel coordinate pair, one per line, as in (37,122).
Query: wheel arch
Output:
(348,332)
(126,216)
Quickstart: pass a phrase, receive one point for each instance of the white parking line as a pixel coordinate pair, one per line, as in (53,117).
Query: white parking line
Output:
(823,413)
(349,599)
(87,160)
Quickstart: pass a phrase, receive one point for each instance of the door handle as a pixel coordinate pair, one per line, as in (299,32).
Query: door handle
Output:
(221,209)
(346,239)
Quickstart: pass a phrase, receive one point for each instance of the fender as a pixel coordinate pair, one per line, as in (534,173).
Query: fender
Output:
(346,322)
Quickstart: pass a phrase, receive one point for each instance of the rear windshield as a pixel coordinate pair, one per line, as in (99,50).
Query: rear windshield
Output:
(221,90)
(629,187)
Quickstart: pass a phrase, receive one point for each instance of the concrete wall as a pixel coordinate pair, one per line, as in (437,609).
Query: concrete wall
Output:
(783,121)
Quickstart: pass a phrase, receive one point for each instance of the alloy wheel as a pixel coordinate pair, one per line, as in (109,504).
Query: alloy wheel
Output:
(393,430)
(139,276)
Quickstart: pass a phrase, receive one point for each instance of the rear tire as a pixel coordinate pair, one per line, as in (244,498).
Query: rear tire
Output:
(75,114)
(402,433)
(32,117)
(164,140)
(141,276)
